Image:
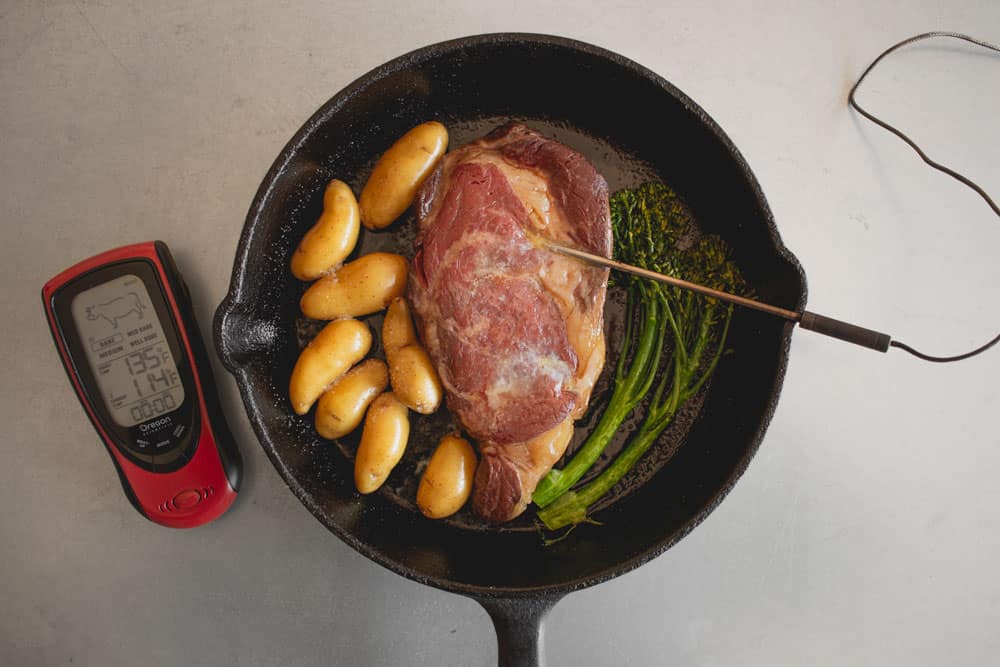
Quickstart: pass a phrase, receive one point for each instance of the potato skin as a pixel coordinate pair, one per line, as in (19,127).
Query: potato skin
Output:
(397,327)
(342,407)
(400,172)
(414,379)
(361,287)
(336,348)
(329,242)
(383,441)
(447,480)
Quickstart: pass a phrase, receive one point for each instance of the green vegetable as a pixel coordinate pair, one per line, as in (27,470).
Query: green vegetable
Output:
(683,330)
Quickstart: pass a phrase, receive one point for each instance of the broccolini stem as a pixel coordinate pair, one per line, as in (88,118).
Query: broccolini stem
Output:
(718,354)
(572,507)
(631,306)
(625,396)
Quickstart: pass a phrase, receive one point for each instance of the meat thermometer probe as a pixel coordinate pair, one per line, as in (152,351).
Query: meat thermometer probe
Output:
(125,330)
(827,326)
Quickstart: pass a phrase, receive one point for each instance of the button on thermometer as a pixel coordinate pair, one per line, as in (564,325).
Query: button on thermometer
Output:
(125,329)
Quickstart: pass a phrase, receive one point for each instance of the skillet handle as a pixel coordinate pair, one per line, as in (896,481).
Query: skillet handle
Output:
(518,624)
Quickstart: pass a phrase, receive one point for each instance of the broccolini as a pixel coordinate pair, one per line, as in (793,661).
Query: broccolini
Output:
(670,332)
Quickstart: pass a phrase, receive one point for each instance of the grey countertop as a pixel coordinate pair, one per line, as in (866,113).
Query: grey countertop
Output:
(867,529)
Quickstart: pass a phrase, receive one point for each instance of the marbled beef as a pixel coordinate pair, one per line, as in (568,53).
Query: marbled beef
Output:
(516,331)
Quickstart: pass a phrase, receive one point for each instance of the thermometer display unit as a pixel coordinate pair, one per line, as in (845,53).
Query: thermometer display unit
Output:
(125,329)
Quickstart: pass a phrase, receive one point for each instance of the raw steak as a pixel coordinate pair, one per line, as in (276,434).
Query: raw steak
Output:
(516,331)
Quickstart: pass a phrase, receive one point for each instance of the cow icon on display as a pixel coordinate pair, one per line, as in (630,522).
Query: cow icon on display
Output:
(116,309)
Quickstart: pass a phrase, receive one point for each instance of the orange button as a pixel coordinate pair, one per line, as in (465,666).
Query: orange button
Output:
(187,499)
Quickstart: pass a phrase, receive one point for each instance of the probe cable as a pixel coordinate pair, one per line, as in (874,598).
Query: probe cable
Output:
(852,101)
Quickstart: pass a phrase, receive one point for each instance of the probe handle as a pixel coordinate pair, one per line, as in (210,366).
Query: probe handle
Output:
(844,331)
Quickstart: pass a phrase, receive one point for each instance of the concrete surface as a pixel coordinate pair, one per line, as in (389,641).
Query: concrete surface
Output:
(866,531)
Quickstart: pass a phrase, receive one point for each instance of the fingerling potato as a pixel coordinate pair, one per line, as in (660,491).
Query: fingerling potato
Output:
(414,379)
(342,407)
(397,327)
(400,172)
(447,481)
(383,441)
(332,238)
(336,348)
(361,287)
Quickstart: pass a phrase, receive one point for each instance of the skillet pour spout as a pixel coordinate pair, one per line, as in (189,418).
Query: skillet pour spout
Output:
(565,89)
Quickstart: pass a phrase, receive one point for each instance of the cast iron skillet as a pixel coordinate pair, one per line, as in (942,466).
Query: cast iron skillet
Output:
(633,125)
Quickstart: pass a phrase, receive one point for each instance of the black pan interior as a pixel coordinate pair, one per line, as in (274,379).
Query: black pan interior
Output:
(633,125)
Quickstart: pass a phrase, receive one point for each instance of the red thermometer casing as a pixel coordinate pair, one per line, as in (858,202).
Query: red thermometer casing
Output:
(125,329)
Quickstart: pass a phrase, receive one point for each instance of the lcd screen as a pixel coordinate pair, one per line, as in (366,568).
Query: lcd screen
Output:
(127,350)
